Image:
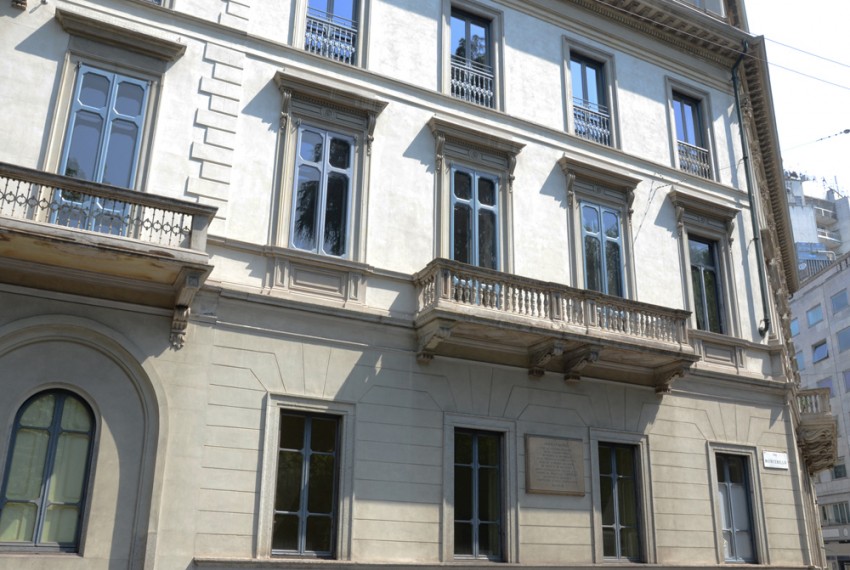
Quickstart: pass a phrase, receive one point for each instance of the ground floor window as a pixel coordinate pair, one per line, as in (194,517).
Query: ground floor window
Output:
(618,489)
(478,495)
(307,485)
(733,490)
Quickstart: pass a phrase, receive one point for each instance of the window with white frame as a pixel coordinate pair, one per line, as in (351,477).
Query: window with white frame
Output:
(693,154)
(306,497)
(103,139)
(47,473)
(591,107)
(734,497)
(705,231)
(599,205)
(835,513)
(478,509)
(327,136)
(331,29)
(474,171)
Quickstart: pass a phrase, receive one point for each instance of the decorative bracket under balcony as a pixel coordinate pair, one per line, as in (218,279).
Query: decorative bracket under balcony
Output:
(479,314)
(817,432)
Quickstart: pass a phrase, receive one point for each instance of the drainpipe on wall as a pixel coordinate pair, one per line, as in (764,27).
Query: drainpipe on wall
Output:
(764,326)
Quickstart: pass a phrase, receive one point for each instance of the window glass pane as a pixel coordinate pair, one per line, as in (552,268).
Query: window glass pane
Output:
(611,223)
(625,457)
(592,263)
(75,417)
(463,448)
(814,315)
(678,113)
(712,295)
(489,541)
(311,146)
(318,537)
(69,468)
(60,524)
(795,327)
(629,543)
(486,191)
(129,99)
(463,493)
(289,473)
(26,471)
(612,268)
(839,301)
(321,484)
(577,78)
(489,507)
(305,208)
(336,214)
(606,491)
(478,43)
(323,436)
(39,412)
(121,154)
(83,146)
(609,543)
(458,36)
(291,431)
(605,464)
(820,351)
(463,539)
(488,450)
(285,532)
(462,224)
(590,219)
(627,501)
(463,185)
(843,339)
(94,91)
(17,522)
(340,153)
(487,236)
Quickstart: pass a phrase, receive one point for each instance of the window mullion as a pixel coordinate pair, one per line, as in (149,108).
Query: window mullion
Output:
(53,441)
(305,485)
(322,198)
(476,521)
(476,238)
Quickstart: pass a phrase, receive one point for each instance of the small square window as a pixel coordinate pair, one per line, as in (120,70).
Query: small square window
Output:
(814,315)
(827,383)
(843,339)
(820,351)
(839,301)
(795,327)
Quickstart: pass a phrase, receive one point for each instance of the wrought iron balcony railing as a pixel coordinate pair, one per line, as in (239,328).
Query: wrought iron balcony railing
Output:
(592,122)
(37,196)
(694,160)
(331,36)
(473,82)
(446,282)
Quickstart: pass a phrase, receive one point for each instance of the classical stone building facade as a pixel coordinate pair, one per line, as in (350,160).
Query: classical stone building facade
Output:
(381,282)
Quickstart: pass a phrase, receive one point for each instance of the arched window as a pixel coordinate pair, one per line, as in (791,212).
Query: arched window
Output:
(44,483)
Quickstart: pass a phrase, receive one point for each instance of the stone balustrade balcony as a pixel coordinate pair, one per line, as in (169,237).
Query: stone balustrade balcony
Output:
(818,430)
(480,314)
(73,236)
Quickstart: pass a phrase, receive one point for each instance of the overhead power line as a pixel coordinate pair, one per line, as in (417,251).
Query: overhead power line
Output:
(836,62)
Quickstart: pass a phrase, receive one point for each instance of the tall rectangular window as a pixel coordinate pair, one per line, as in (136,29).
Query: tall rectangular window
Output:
(591,113)
(472,76)
(692,149)
(324,168)
(478,495)
(305,503)
(602,243)
(102,144)
(705,280)
(620,508)
(733,494)
(475,217)
(332,29)
(795,327)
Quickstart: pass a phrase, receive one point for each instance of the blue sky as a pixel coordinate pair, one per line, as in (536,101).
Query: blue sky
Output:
(808,109)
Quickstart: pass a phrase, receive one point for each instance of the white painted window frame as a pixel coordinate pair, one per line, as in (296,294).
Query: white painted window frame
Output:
(606,61)
(673,87)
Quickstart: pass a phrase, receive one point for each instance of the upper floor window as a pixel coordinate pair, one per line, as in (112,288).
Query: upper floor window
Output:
(733,492)
(827,383)
(475,217)
(602,243)
(321,208)
(706,284)
(801,360)
(472,61)
(795,327)
(839,470)
(305,511)
(835,513)
(691,145)
(814,315)
(591,111)
(102,143)
(839,301)
(843,339)
(331,29)
(820,351)
(478,495)
(326,158)
(47,473)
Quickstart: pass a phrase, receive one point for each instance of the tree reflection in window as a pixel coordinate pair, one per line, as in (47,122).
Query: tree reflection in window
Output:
(603,246)
(322,192)
(706,284)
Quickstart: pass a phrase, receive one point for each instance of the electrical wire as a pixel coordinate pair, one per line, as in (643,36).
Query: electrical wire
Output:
(836,62)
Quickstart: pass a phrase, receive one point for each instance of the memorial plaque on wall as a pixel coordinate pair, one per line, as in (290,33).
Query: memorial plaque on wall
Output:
(554,465)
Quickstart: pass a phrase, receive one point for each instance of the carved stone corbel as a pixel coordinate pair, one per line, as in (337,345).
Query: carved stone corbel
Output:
(180,320)
(511,168)
(179,323)
(680,221)
(578,359)
(542,357)
(630,199)
(440,139)
(664,377)
(429,342)
(285,107)
(372,120)
(571,193)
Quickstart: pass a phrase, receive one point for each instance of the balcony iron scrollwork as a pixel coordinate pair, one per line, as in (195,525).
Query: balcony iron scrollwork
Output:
(694,160)
(331,36)
(472,81)
(592,122)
